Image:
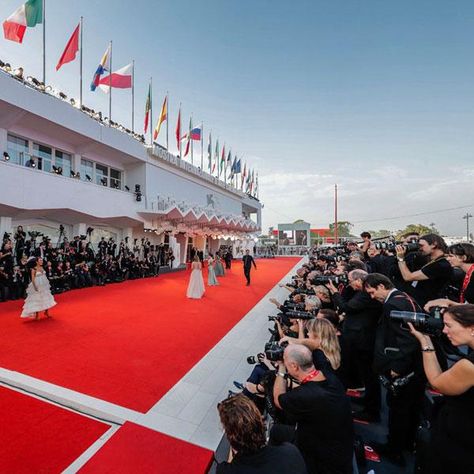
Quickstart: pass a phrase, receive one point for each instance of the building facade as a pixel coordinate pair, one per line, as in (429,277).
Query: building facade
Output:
(62,166)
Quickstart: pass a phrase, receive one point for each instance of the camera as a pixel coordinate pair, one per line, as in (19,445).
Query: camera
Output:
(294,306)
(254,359)
(391,246)
(395,385)
(300,315)
(431,323)
(274,351)
(336,279)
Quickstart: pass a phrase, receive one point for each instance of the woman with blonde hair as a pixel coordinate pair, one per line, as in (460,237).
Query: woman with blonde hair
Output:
(323,342)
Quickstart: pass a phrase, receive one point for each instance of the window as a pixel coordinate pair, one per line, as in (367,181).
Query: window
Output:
(87,170)
(64,161)
(17,148)
(43,154)
(115,179)
(101,174)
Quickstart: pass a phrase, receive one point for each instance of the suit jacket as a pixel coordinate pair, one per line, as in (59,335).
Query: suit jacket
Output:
(248,262)
(362,315)
(395,347)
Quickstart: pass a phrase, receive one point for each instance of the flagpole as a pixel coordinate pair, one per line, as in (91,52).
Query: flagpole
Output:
(167,117)
(80,67)
(179,138)
(133,96)
(202,145)
(151,112)
(190,138)
(44,42)
(210,149)
(225,170)
(110,87)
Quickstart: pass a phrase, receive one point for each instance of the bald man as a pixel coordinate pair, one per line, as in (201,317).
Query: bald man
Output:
(321,410)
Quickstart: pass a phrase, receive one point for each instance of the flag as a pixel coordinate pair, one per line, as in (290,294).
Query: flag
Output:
(229,160)
(216,156)
(147,110)
(251,182)
(178,131)
(238,167)
(188,136)
(121,79)
(232,168)
(71,49)
(163,117)
(248,181)
(244,174)
(104,66)
(222,162)
(209,152)
(256,186)
(195,134)
(26,16)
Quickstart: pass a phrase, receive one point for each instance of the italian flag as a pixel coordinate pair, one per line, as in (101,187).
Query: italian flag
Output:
(28,15)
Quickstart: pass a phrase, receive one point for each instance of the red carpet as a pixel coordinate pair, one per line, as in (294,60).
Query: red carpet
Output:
(129,343)
(36,436)
(134,449)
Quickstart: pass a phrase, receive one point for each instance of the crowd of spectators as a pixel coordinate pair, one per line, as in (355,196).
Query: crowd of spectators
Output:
(363,321)
(76,264)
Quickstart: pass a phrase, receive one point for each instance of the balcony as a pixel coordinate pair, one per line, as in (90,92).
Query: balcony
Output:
(35,193)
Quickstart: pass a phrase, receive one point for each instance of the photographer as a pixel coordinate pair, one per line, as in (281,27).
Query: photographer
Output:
(460,256)
(398,361)
(244,428)
(362,314)
(428,282)
(322,341)
(20,236)
(452,442)
(320,409)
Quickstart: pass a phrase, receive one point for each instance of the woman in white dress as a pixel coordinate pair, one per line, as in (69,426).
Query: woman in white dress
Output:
(38,293)
(211,276)
(196,282)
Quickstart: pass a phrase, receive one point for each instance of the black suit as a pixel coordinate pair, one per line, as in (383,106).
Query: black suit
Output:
(397,350)
(357,344)
(248,262)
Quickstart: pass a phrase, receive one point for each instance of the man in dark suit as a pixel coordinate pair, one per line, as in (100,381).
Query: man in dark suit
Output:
(248,261)
(362,314)
(397,357)
(228,259)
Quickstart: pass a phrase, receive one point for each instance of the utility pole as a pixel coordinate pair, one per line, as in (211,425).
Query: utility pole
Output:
(467,217)
(335,216)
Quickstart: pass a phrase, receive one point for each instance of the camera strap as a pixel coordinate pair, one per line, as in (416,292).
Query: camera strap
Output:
(467,280)
(410,299)
(314,373)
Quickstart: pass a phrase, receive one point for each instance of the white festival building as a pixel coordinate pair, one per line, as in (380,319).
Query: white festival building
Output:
(111,181)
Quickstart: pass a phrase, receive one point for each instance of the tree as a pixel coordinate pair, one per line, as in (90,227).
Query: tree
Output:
(377,234)
(343,228)
(420,228)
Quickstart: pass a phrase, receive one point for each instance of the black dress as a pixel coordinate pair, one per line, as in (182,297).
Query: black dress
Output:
(452,443)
